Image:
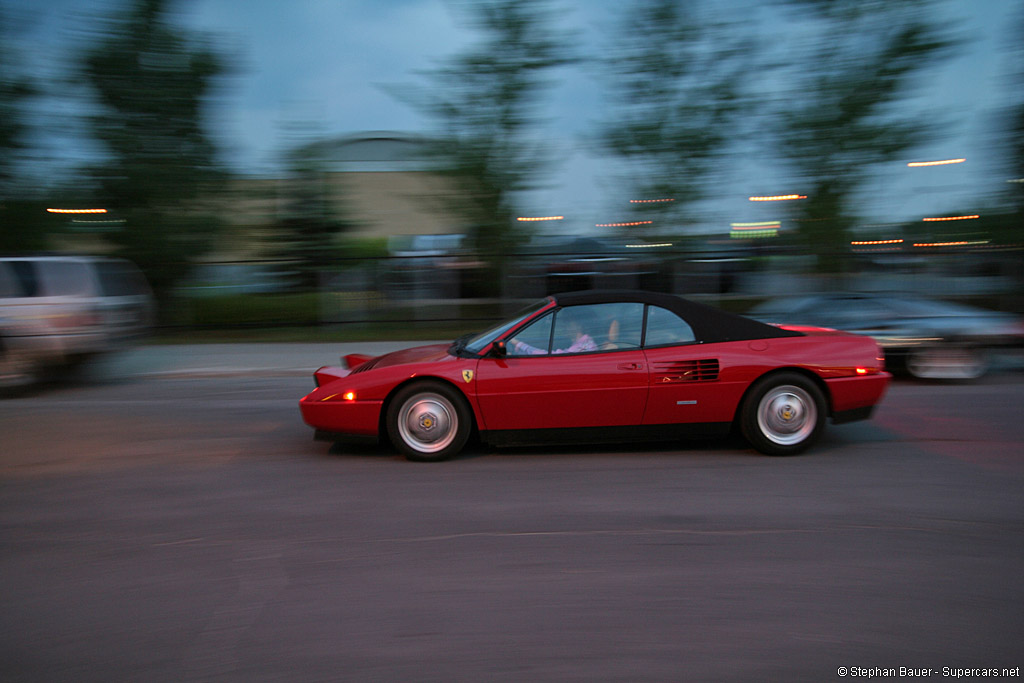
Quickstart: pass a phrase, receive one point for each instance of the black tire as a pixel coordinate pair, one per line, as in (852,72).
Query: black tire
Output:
(784,414)
(18,370)
(428,421)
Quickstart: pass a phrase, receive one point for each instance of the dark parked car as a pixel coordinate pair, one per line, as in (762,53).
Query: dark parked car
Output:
(927,338)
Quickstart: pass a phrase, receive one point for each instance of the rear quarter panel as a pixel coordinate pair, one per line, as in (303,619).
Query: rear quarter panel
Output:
(851,366)
(832,357)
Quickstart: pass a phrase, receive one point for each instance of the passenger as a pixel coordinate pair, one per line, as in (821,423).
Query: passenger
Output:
(612,339)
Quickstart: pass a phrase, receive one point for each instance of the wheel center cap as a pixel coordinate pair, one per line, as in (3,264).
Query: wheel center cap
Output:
(427,421)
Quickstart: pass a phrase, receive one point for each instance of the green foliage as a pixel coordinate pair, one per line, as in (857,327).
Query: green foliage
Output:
(678,94)
(484,102)
(361,248)
(22,224)
(152,81)
(1014,125)
(306,233)
(850,109)
(14,93)
(239,310)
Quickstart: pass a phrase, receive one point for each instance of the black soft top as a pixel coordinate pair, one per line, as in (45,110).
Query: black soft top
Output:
(709,324)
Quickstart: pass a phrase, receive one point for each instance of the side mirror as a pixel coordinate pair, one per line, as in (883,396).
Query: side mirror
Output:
(498,349)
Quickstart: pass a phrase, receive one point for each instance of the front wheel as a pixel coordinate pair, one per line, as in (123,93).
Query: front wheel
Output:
(947,362)
(428,421)
(783,414)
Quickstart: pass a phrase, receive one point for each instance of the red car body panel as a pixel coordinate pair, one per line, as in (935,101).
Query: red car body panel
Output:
(685,384)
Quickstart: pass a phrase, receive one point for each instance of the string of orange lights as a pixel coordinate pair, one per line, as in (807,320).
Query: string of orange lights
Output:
(951,218)
(622,225)
(943,162)
(526,219)
(778,198)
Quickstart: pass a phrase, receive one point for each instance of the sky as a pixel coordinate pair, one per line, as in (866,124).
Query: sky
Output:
(332,66)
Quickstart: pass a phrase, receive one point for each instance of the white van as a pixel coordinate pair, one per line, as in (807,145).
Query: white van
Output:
(59,310)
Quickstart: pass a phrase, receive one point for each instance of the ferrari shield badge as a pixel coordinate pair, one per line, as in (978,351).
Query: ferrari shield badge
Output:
(467,376)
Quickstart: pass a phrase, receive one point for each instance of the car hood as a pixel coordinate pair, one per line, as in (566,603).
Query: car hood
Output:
(418,354)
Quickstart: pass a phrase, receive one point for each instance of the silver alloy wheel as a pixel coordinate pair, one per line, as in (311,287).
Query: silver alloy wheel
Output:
(947,362)
(428,422)
(787,415)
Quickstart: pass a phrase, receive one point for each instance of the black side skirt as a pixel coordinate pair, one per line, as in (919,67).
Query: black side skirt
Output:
(852,415)
(581,435)
(340,437)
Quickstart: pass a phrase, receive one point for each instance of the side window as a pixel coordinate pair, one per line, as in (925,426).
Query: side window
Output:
(600,327)
(582,329)
(9,287)
(665,328)
(63,278)
(533,340)
(28,279)
(859,311)
(618,326)
(575,330)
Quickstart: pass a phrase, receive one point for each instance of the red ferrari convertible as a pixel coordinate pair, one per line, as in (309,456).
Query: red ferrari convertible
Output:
(604,366)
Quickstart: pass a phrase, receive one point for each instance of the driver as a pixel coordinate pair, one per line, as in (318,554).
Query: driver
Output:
(581,341)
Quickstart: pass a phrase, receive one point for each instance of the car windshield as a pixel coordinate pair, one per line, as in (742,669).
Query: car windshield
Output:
(479,342)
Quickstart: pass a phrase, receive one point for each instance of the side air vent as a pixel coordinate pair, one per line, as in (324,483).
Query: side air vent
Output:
(705,370)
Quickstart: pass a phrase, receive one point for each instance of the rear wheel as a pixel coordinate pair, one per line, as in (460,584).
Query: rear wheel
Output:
(17,368)
(783,414)
(428,421)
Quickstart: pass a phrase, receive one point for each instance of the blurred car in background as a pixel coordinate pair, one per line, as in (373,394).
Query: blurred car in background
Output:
(61,310)
(926,338)
(582,263)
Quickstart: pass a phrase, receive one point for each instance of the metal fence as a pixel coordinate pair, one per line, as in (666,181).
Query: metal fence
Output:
(436,288)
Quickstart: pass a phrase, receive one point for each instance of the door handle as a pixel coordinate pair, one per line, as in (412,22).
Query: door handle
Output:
(631,366)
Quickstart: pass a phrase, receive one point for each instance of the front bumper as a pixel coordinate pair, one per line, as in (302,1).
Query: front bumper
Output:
(854,398)
(331,414)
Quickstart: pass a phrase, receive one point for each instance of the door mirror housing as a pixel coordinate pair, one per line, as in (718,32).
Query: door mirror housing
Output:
(498,349)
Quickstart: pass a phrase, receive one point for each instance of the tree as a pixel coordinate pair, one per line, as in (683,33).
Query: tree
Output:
(151,80)
(484,102)
(1014,124)
(21,217)
(677,81)
(14,91)
(309,225)
(848,112)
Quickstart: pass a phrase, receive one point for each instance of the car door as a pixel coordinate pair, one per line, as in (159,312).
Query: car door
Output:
(553,378)
(686,376)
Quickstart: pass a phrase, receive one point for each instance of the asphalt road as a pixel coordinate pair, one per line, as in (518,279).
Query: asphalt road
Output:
(187,528)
